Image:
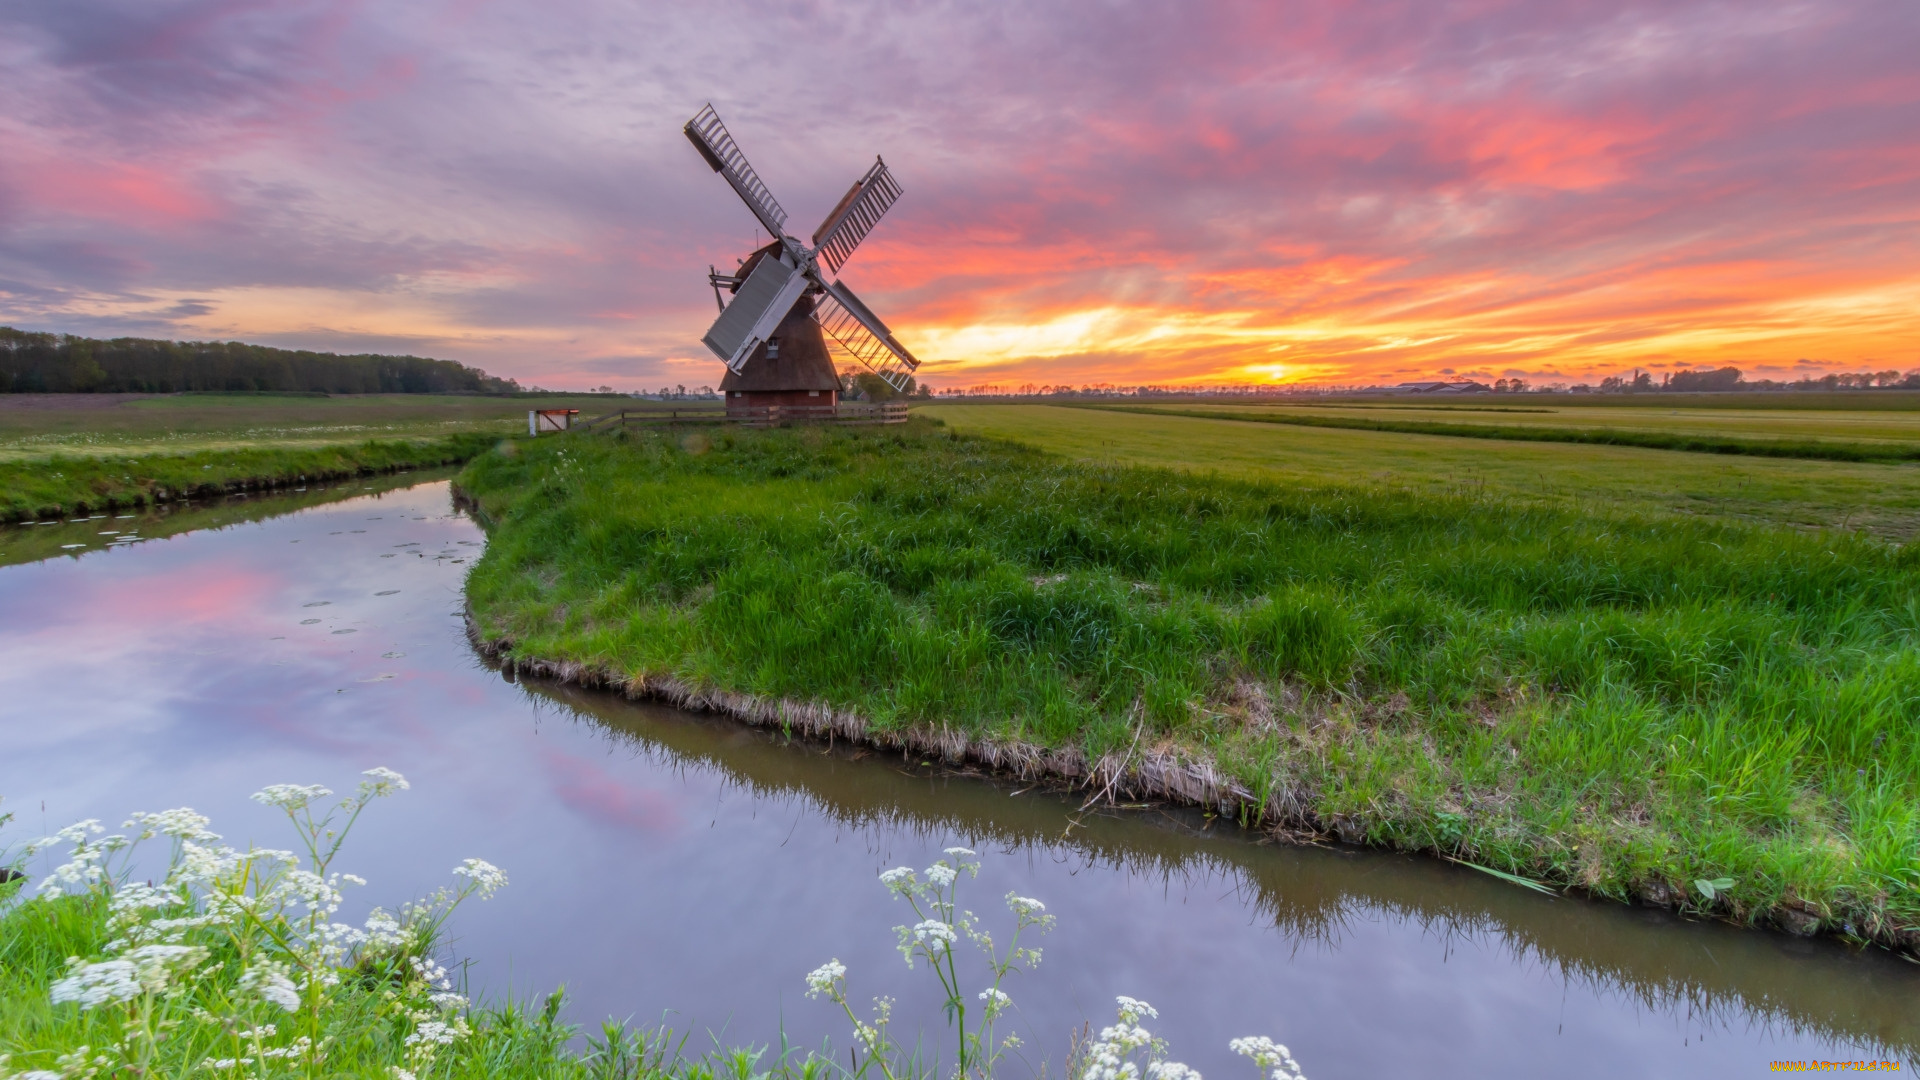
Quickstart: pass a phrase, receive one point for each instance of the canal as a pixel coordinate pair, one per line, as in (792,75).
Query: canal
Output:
(680,869)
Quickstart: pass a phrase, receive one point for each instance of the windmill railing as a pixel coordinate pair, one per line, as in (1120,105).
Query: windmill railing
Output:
(878,412)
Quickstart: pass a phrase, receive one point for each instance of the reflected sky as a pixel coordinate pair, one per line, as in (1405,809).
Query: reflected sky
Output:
(682,868)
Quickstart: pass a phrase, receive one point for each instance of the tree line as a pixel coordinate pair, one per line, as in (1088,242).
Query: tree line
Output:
(63,363)
(1732,378)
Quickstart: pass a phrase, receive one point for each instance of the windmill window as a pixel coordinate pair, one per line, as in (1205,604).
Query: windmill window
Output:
(773,347)
(813,393)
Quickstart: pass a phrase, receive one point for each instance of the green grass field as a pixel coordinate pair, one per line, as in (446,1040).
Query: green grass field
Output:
(1597,429)
(1880,498)
(1899,426)
(1577,687)
(65,454)
(36,426)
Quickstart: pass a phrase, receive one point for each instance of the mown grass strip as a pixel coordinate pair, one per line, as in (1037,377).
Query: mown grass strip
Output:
(1809,449)
(60,485)
(1624,704)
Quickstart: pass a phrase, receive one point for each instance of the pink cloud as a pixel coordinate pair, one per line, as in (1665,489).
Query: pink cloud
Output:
(599,796)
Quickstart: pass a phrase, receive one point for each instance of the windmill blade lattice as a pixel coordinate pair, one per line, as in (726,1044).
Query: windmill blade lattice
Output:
(859,211)
(710,137)
(858,332)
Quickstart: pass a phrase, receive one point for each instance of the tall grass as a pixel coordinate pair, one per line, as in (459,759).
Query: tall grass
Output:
(1632,705)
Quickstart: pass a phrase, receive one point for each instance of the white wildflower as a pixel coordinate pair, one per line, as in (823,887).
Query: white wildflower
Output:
(437,1033)
(997,1001)
(1170,1070)
(290,796)
(940,875)
(1268,1054)
(959,851)
(430,972)
(383,931)
(86,863)
(398,1073)
(381,782)
(181,824)
(821,980)
(933,930)
(1132,1009)
(139,896)
(306,889)
(204,866)
(353,879)
(98,983)
(1024,905)
(485,876)
(75,833)
(269,982)
(898,879)
(145,970)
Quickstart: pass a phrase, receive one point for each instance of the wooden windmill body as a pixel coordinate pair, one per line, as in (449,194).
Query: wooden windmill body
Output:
(793,367)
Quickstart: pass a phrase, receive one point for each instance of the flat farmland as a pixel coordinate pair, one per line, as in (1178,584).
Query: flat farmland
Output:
(1862,424)
(1882,498)
(38,426)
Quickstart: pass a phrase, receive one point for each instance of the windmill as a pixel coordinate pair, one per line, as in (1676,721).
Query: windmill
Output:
(774,335)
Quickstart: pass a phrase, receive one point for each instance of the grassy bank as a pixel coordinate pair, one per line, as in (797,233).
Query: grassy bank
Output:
(1687,442)
(61,485)
(1712,716)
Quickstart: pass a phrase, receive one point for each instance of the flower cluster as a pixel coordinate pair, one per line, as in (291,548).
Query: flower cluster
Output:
(1272,1057)
(1124,1050)
(1110,1057)
(272,914)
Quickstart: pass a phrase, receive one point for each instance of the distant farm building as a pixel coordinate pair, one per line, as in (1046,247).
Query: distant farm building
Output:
(1463,386)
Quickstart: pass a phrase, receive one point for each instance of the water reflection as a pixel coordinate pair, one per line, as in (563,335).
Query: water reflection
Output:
(1711,976)
(676,866)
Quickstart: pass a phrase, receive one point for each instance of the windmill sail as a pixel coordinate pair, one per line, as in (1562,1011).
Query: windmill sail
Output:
(763,300)
(859,211)
(859,333)
(710,137)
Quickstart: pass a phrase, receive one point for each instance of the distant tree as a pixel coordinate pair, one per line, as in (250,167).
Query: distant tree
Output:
(1726,378)
(64,363)
(1642,382)
(872,387)
(1612,384)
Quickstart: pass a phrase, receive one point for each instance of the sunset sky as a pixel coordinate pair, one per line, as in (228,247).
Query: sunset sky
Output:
(1191,193)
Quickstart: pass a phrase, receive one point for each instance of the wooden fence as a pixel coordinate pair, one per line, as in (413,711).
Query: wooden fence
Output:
(884,412)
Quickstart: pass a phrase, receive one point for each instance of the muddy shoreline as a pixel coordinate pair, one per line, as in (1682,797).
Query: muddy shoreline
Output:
(1149,775)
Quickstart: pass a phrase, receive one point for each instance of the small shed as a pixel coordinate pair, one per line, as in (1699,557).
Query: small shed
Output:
(539,420)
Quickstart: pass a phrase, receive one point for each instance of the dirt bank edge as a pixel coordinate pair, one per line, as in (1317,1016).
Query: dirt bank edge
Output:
(1195,782)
